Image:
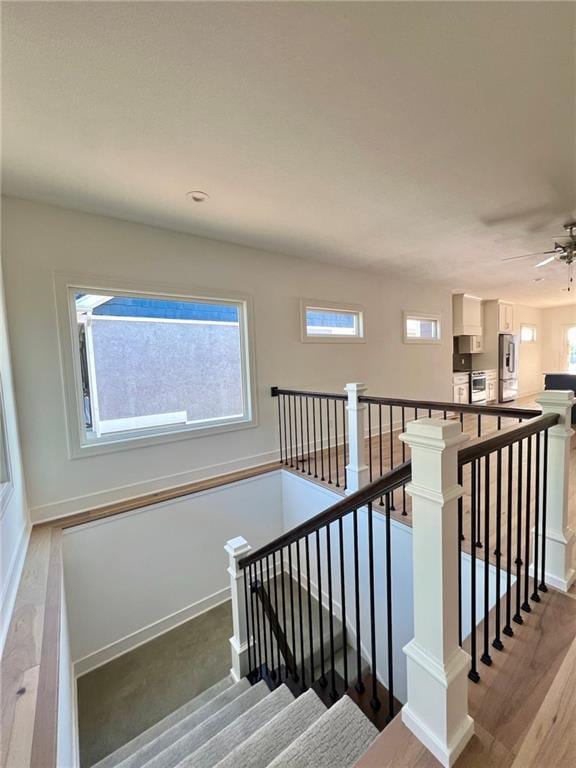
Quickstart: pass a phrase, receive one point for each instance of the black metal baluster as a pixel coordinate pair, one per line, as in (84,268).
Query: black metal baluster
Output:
(479,509)
(389,608)
(526,604)
(290,427)
(295,674)
(322,680)
(296,454)
(404,512)
(380,443)
(497,642)
(310,627)
(479,425)
(517,616)
(301,618)
(302,434)
(248,633)
(542,586)
(336,442)
(537,501)
(473,673)
(329,446)
(374,701)
(314,434)
(283,592)
(508,627)
(333,692)
(308,435)
(486,658)
(273,651)
(264,633)
(280,432)
(344,446)
(275,571)
(343,601)
(256,600)
(460,537)
(391,427)
(359,682)
(285,432)
(370,441)
(321,440)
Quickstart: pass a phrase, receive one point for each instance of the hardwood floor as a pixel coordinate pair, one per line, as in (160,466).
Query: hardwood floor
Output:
(524,706)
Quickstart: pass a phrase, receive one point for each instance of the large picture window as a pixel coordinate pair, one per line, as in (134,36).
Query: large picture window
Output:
(148,365)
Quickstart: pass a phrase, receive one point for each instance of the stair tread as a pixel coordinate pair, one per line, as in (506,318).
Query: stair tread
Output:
(167,737)
(338,738)
(191,740)
(252,721)
(151,733)
(259,749)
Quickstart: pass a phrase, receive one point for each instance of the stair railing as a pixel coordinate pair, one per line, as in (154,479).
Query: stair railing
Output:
(332,576)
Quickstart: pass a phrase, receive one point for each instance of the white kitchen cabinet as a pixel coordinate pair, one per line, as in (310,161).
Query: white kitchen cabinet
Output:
(461,386)
(491,386)
(470,344)
(505,317)
(466,315)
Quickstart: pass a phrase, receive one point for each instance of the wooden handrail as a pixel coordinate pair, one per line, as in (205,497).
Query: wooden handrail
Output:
(483,446)
(389,482)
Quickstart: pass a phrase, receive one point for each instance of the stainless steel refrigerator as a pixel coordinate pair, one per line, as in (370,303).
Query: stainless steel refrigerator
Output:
(507,368)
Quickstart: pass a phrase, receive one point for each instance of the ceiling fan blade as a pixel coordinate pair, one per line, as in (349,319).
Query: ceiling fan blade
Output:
(546,261)
(528,255)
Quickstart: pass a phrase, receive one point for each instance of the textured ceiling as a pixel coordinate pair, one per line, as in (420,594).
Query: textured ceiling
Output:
(422,139)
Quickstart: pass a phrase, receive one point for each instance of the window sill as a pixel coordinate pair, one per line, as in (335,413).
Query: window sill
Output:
(112,444)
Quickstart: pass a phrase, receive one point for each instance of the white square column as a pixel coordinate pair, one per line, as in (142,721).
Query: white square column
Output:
(437,706)
(357,473)
(239,642)
(559,570)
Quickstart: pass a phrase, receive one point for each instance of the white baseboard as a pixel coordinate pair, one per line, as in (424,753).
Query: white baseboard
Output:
(57,509)
(144,635)
(10,586)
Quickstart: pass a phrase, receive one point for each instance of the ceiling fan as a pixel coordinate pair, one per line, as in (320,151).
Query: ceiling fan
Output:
(564,252)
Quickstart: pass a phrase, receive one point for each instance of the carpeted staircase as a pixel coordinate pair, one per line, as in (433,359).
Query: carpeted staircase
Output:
(238,725)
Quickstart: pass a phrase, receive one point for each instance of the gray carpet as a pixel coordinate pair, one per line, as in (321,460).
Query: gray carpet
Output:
(243,727)
(188,724)
(338,738)
(170,720)
(262,747)
(123,698)
(194,739)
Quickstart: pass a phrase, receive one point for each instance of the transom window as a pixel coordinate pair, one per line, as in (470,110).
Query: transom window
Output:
(570,349)
(528,333)
(322,321)
(153,365)
(421,328)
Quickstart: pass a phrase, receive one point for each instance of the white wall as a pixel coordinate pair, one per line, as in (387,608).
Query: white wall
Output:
(14,524)
(555,322)
(41,239)
(131,577)
(530,378)
(67,743)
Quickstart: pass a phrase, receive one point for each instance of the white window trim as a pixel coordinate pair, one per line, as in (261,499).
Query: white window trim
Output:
(341,306)
(407,315)
(532,326)
(79,446)
(7,485)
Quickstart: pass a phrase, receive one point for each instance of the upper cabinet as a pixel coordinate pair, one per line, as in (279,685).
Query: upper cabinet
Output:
(467,315)
(505,317)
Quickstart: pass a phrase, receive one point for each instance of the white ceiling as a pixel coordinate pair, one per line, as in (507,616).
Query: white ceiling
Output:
(391,136)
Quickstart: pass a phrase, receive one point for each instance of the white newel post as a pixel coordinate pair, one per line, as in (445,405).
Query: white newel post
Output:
(560,541)
(436,710)
(236,549)
(357,469)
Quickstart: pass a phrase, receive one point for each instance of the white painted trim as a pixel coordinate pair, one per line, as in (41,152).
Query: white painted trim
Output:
(334,306)
(12,582)
(144,635)
(142,422)
(58,509)
(408,315)
(446,756)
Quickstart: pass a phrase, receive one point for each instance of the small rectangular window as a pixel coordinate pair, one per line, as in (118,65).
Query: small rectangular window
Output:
(154,365)
(421,328)
(323,321)
(528,333)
